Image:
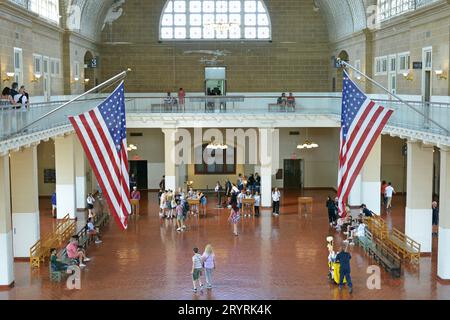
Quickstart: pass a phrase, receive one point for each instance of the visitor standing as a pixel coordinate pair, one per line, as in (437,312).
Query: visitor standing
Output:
(209,262)
(343,258)
(181,96)
(162,183)
(331,211)
(90,205)
(383,192)
(257,203)
(234,217)
(54,205)
(135,198)
(196,270)
(276,202)
(435,216)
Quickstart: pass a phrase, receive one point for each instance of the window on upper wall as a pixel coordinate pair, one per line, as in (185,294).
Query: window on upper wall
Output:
(215,20)
(391,8)
(380,65)
(37,64)
(404,61)
(48,9)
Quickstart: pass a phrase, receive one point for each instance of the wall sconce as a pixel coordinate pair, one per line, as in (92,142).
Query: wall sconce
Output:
(36,78)
(9,76)
(87,80)
(408,76)
(441,75)
(75,80)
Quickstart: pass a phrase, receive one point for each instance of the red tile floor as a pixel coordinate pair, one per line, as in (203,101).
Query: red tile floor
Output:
(281,257)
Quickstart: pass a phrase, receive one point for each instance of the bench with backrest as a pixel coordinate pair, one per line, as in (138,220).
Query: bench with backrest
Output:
(378,227)
(366,241)
(404,246)
(387,258)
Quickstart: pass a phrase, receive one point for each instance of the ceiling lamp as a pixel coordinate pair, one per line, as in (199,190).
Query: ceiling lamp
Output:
(307,145)
(131,147)
(215,146)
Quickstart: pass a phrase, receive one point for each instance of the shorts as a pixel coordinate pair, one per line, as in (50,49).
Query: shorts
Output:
(203,201)
(54,206)
(196,275)
(90,206)
(181,218)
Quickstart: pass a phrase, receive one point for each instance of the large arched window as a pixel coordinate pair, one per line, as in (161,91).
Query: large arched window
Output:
(215,20)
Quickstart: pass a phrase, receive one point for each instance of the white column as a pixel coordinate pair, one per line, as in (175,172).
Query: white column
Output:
(6,241)
(443,269)
(355,196)
(371,175)
(268,157)
(24,200)
(419,196)
(169,158)
(65,176)
(80,175)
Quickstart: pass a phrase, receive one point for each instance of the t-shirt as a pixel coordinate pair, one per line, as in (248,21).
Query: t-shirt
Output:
(90,200)
(276,196)
(21,98)
(90,226)
(344,259)
(367,212)
(209,260)
(388,192)
(136,195)
(257,200)
(197,260)
(54,199)
(179,210)
(360,232)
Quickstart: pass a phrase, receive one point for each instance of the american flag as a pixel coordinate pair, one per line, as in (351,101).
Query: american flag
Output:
(102,133)
(362,121)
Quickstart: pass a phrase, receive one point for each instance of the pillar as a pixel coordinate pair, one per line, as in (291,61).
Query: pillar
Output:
(443,269)
(355,196)
(6,237)
(80,175)
(268,157)
(24,200)
(370,179)
(65,176)
(419,189)
(169,158)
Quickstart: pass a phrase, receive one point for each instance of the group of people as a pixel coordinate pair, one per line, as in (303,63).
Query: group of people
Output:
(200,262)
(175,205)
(15,97)
(286,101)
(387,191)
(171,100)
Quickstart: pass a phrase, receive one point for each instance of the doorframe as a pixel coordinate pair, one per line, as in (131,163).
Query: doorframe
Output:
(425,69)
(47,78)
(392,73)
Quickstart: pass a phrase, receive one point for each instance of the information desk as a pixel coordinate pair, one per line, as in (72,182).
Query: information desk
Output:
(303,203)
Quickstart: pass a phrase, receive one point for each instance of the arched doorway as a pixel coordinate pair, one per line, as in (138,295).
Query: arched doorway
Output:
(89,71)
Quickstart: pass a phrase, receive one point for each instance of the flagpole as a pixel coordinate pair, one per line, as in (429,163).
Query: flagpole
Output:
(102,85)
(346,64)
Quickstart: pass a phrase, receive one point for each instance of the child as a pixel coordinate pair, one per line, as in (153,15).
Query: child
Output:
(234,217)
(169,196)
(257,203)
(56,265)
(209,263)
(162,205)
(92,232)
(239,199)
(180,216)
(197,267)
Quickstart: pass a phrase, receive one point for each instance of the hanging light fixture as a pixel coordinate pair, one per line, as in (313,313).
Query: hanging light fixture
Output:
(215,145)
(131,147)
(308,144)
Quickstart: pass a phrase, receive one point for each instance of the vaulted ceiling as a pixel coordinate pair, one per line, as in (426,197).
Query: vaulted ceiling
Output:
(343,17)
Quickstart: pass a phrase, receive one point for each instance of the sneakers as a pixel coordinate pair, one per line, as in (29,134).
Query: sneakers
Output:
(82,265)
(350,290)
(209,286)
(183,227)
(98,241)
(87,259)
(194,290)
(178,229)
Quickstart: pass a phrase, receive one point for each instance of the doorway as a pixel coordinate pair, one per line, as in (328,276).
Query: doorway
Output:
(215,81)
(292,178)
(139,169)
(47,79)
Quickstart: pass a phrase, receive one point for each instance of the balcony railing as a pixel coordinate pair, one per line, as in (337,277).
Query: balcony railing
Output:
(12,121)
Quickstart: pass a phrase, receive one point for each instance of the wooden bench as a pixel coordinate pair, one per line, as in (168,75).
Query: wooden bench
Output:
(366,241)
(386,257)
(378,227)
(404,246)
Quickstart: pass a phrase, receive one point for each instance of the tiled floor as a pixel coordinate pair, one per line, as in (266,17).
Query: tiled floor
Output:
(272,258)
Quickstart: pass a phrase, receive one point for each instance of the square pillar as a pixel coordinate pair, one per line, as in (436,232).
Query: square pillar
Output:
(443,269)
(269,162)
(169,158)
(419,189)
(24,200)
(371,176)
(80,175)
(65,176)
(6,237)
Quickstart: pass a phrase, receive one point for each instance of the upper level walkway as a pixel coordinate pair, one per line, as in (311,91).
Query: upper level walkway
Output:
(428,122)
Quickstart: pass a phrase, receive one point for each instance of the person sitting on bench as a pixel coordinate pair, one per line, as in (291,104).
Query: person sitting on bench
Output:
(55,264)
(92,232)
(76,252)
(365,211)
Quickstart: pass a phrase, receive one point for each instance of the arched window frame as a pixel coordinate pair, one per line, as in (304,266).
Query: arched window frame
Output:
(202,38)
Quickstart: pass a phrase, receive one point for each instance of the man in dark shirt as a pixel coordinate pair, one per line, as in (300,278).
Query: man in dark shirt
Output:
(365,211)
(343,258)
(162,183)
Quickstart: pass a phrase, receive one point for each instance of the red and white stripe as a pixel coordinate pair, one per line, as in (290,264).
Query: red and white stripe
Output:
(362,135)
(110,167)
